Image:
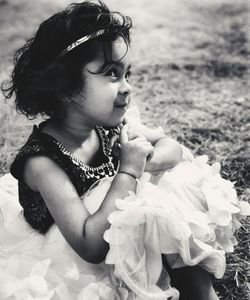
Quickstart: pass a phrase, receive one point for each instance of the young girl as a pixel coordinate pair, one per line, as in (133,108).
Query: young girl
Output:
(74,238)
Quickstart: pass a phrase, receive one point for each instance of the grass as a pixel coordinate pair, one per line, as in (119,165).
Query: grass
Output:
(190,75)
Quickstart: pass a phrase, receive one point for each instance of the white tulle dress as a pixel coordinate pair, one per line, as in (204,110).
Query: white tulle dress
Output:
(188,214)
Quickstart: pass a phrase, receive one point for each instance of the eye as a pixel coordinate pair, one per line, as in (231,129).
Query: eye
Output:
(127,75)
(112,73)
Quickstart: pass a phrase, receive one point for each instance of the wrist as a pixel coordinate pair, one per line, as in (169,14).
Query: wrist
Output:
(129,172)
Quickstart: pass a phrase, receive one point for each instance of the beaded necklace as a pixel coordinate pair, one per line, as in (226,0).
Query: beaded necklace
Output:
(106,169)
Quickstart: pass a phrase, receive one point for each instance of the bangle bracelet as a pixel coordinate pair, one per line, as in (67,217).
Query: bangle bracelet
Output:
(123,172)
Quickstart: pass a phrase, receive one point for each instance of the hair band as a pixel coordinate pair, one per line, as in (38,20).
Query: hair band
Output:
(125,21)
(81,41)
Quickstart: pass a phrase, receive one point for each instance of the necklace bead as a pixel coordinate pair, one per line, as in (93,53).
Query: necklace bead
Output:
(105,169)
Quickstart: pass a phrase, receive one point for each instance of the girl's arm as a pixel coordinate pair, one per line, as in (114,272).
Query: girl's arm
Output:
(167,151)
(82,231)
(167,154)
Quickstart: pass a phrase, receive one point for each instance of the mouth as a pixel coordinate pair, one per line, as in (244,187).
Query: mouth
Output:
(122,106)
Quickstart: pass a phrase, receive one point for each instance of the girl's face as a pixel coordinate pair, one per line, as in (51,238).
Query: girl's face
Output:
(106,96)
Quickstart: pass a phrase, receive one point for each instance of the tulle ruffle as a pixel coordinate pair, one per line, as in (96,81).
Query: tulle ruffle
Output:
(42,267)
(189,214)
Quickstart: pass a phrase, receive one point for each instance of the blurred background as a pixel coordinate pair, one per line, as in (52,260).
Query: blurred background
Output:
(190,75)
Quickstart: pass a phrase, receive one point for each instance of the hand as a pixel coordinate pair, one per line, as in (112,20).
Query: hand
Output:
(167,154)
(134,151)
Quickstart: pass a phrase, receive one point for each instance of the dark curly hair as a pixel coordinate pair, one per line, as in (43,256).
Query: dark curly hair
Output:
(42,77)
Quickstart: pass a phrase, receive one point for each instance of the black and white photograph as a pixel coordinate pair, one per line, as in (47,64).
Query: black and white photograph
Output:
(125,150)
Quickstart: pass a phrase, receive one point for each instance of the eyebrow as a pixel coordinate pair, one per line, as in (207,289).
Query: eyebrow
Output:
(120,64)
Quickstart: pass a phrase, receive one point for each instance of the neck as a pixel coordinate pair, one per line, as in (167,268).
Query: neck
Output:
(72,129)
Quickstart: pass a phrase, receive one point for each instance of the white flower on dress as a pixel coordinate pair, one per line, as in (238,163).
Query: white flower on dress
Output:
(33,287)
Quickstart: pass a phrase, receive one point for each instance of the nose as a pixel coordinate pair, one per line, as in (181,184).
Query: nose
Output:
(125,87)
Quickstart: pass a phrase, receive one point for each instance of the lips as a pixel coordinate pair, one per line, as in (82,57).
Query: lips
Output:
(121,105)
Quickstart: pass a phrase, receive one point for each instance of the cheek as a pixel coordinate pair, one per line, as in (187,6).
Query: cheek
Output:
(106,94)
(99,95)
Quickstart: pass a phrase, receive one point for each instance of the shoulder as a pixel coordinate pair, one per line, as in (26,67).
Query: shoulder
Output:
(39,168)
(38,145)
(32,146)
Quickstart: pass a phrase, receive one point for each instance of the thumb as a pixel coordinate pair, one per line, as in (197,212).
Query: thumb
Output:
(113,140)
(124,134)
(150,153)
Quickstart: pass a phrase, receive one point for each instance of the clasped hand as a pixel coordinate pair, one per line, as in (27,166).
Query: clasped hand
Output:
(137,154)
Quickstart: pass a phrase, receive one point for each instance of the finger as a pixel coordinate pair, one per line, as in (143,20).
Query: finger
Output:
(151,153)
(125,121)
(124,134)
(113,140)
(148,149)
(120,126)
(136,136)
(142,139)
(143,143)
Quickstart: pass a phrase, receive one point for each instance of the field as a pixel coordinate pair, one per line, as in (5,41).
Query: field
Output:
(191,75)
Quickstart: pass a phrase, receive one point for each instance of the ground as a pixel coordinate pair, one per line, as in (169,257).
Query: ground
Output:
(190,75)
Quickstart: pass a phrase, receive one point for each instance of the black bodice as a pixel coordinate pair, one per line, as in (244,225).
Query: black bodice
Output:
(81,175)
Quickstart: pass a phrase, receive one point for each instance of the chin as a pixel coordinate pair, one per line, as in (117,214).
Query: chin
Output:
(114,123)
